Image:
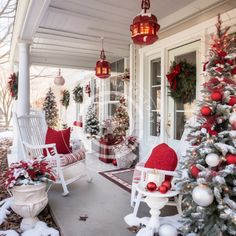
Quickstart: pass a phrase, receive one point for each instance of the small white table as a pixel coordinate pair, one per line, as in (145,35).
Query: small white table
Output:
(156,201)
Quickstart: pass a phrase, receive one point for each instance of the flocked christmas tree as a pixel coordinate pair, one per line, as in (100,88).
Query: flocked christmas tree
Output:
(121,118)
(50,109)
(91,122)
(209,182)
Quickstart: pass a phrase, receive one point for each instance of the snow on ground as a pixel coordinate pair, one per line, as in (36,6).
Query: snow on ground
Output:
(6,134)
(4,210)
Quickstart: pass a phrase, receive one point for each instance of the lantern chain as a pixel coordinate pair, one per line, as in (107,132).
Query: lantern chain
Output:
(145,5)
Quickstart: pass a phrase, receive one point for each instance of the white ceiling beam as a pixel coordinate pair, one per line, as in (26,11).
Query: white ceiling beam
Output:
(71,49)
(79,39)
(117,10)
(35,13)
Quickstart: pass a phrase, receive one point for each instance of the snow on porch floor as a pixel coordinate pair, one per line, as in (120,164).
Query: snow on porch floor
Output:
(105,204)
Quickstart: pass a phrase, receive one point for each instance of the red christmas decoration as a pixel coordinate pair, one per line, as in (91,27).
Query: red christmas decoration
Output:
(172,76)
(167,184)
(194,171)
(231,159)
(88,89)
(114,162)
(233,72)
(163,189)
(151,187)
(232,101)
(103,68)
(216,96)
(206,111)
(145,27)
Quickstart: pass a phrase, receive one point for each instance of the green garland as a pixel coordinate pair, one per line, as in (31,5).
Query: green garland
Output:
(78,94)
(182,81)
(65,101)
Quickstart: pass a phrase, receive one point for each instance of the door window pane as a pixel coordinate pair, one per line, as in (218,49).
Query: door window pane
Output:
(183,111)
(155,117)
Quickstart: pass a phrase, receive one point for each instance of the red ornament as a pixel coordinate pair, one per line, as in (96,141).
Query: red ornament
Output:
(222,53)
(103,68)
(233,72)
(232,101)
(216,96)
(151,187)
(114,162)
(206,111)
(194,171)
(231,159)
(145,27)
(163,189)
(167,184)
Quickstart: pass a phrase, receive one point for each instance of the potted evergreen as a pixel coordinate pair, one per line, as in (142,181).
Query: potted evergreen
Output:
(27,184)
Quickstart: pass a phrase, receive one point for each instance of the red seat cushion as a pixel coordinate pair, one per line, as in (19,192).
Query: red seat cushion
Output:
(163,158)
(61,138)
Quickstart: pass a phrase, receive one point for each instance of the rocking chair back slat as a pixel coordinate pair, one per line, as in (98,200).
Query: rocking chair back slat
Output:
(32,130)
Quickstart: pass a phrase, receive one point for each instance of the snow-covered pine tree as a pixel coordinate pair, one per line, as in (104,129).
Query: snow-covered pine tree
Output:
(209,183)
(121,117)
(91,122)
(50,109)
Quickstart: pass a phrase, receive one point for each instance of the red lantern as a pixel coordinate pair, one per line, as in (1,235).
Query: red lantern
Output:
(103,68)
(145,27)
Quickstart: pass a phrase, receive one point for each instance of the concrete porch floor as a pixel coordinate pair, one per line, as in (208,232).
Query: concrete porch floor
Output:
(105,204)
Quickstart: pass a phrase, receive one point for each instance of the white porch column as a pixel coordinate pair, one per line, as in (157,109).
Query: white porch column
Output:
(23,102)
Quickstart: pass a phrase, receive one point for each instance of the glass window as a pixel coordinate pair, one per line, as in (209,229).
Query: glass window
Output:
(155,120)
(116,88)
(183,111)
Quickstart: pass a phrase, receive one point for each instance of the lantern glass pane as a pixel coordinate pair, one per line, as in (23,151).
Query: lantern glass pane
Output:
(104,70)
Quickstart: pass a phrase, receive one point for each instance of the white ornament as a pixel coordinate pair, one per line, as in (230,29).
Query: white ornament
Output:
(59,80)
(202,195)
(167,230)
(232,118)
(212,160)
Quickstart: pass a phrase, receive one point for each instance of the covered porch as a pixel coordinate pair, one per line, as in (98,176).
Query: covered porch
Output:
(67,35)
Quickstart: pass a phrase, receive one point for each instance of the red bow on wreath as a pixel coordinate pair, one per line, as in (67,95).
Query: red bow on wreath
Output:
(172,76)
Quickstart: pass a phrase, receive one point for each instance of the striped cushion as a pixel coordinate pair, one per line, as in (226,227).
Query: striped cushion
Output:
(137,173)
(67,159)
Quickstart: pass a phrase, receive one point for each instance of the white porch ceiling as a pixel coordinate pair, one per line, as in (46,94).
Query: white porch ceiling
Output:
(67,32)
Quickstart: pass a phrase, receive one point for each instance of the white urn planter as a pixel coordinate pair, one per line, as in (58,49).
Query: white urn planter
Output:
(28,202)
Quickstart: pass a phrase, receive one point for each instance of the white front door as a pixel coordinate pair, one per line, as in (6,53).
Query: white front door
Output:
(179,112)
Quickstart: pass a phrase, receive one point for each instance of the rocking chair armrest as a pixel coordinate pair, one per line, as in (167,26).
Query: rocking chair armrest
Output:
(51,145)
(164,172)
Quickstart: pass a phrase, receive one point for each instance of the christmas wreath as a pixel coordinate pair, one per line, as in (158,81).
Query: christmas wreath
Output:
(182,81)
(78,94)
(65,101)
(13,85)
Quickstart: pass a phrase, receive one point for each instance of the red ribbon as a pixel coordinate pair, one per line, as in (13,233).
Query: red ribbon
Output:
(172,77)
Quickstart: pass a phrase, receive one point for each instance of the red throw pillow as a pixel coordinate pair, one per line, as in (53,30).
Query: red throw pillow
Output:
(61,138)
(163,158)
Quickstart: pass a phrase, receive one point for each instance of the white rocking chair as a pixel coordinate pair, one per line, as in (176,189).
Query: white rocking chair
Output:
(32,133)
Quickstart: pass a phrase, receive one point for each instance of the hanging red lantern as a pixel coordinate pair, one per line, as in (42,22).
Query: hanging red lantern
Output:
(103,68)
(145,27)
